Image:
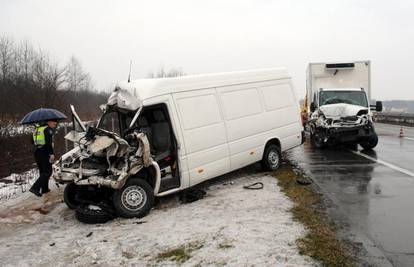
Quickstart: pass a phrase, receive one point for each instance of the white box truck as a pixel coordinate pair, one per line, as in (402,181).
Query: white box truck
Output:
(338,97)
(161,136)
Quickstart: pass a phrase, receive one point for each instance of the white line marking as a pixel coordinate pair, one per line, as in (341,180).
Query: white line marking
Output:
(412,139)
(389,165)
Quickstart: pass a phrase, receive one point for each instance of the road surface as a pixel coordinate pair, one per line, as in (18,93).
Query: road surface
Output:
(372,192)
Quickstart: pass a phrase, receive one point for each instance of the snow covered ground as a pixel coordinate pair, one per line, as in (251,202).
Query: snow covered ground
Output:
(231,226)
(15,184)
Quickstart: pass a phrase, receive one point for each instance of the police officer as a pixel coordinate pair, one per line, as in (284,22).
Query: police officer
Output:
(44,155)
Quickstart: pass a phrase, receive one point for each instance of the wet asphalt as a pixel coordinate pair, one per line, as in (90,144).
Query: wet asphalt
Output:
(371,193)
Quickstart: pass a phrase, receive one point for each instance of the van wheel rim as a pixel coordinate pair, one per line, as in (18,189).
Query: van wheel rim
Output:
(273,158)
(133,198)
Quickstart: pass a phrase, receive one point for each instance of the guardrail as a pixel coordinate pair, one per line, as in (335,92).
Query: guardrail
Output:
(395,118)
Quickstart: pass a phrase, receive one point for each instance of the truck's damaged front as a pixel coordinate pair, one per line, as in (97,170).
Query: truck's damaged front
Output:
(341,116)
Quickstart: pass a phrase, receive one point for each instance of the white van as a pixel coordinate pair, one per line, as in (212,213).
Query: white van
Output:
(160,136)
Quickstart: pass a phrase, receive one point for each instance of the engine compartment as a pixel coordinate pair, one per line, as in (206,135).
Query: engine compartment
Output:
(103,158)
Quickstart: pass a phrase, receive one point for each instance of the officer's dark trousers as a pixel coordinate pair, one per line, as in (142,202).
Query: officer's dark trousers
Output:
(45,171)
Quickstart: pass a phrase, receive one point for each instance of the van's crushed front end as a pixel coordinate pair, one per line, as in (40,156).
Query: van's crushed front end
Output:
(110,171)
(103,158)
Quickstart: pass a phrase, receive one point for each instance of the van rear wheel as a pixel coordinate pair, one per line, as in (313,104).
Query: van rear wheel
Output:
(134,199)
(271,158)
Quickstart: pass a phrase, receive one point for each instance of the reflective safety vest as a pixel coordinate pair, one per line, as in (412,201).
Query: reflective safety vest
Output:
(39,136)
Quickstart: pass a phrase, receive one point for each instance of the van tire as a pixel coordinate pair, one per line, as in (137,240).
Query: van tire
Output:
(317,140)
(371,142)
(134,199)
(69,195)
(86,215)
(272,158)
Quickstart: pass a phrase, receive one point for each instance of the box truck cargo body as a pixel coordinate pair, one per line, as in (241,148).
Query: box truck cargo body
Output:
(338,98)
(173,133)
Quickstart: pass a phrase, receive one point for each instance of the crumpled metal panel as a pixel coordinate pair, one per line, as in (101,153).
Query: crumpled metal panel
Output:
(123,99)
(340,110)
(128,163)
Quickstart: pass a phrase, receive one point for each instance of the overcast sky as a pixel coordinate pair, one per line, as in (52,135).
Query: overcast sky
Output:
(218,35)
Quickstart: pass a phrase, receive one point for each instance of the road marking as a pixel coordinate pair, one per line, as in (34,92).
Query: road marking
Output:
(412,139)
(389,165)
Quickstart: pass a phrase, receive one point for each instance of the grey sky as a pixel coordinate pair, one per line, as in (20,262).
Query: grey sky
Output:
(218,35)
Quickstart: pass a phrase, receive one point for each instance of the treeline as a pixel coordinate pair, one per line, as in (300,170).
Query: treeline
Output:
(30,79)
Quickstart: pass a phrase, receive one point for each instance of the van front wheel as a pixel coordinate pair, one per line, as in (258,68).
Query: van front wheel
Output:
(271,158)
(134,199)
(69,195)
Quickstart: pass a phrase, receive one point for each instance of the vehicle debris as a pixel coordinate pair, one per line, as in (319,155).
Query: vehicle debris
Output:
(254,186)
(104,152)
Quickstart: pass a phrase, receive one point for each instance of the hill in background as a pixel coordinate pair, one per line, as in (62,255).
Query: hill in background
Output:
(404,106)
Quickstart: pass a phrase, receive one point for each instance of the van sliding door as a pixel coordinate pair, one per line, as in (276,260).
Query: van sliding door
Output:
(204,134)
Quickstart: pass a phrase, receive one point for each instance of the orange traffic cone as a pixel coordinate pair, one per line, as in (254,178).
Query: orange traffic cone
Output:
(401,132)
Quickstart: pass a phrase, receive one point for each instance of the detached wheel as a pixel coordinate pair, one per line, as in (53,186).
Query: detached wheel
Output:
(134,199)
(92,214)
(69,195)
(271,158)
(370,143)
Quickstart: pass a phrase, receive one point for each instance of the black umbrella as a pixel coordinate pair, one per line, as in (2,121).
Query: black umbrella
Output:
(42,115)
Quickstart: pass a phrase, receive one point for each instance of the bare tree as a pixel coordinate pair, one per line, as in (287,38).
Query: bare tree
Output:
(6,56)
(76,79)
(27,57)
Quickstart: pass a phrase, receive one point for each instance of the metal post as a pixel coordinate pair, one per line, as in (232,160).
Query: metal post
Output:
(66,141)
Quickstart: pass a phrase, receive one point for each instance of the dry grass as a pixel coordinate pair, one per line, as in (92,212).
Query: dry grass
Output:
(180,254)
(320,242)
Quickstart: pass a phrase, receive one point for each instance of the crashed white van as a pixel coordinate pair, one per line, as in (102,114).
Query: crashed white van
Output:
(160,136)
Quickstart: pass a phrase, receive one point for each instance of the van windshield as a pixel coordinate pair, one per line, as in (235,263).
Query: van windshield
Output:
(347,97)
(110,122)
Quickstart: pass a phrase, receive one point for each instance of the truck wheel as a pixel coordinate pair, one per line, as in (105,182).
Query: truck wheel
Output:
(370,143)
(134,199)
(69,195)
(271,158)
(317,140)
(86,214)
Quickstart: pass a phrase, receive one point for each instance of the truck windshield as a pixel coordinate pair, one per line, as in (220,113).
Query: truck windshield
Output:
(347,97)
(110,122)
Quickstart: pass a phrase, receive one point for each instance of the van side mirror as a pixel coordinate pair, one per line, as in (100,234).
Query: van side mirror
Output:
(312,107)
(377,106)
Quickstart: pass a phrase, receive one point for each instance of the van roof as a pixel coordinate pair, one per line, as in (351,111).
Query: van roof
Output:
(147,88)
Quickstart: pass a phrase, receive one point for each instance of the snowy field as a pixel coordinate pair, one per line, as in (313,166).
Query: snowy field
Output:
(13,128)
(231,226)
